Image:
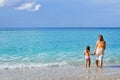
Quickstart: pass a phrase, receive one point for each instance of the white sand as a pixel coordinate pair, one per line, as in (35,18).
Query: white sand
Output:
(62,73)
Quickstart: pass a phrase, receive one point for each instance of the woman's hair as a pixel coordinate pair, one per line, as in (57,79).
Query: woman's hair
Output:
(101,37)
(88,48)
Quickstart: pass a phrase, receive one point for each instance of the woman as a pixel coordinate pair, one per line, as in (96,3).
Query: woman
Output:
(99,50)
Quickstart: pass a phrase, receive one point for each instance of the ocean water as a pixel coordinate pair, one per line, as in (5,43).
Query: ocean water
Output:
(55,47)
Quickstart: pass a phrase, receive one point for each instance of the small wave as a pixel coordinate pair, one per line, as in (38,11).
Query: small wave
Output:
(33,65)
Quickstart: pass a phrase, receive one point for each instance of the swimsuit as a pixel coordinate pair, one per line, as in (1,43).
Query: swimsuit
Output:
(99,53)
(100,57)
(87,57)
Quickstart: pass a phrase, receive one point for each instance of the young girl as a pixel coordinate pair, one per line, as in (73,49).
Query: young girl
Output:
(87,56)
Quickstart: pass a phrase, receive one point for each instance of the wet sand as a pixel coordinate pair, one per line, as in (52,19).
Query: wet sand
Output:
(109,72)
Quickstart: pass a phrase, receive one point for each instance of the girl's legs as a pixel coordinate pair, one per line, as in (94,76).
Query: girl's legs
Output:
(89,62)
(86,63)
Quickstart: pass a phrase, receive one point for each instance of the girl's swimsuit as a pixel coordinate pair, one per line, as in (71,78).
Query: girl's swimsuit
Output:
(87,57)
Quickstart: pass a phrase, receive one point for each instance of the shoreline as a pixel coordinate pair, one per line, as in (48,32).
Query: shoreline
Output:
(109,72)
(50,65)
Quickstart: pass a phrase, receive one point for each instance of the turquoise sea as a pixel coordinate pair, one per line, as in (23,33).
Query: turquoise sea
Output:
(55,47)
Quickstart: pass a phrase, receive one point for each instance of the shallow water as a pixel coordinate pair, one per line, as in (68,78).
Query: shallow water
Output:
(47,47)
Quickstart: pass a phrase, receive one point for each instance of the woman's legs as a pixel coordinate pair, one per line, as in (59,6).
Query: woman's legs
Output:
(101,63)
(97,61)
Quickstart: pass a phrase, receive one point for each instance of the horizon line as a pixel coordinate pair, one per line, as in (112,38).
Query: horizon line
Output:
(37,28)
(54,27)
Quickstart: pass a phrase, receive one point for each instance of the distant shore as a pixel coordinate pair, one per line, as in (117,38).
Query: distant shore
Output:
(109,72)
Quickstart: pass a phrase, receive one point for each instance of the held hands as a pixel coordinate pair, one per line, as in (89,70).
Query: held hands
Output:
(94,52)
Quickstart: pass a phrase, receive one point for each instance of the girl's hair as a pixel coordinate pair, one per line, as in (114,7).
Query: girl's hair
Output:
(101,37)
(88,48)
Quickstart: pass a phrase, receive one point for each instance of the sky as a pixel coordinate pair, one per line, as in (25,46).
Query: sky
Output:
(59,13)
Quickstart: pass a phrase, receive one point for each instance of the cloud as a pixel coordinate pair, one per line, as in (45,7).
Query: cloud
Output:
(2,3)
(29,7)
(6,3)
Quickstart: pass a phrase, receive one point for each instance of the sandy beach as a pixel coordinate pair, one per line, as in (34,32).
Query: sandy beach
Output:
(109,72)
